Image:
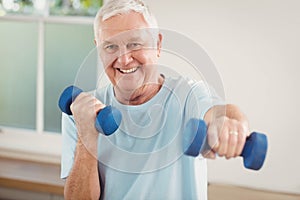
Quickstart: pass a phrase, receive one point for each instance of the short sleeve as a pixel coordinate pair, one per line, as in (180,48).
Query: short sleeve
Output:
(69,140)
(200,99)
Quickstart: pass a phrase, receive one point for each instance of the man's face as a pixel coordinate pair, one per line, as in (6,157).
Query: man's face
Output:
(129,51)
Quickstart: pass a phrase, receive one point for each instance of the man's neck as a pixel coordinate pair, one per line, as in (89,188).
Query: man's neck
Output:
(140,95)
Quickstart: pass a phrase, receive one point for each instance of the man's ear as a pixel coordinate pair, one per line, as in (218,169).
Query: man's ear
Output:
(95,42)
(159,44)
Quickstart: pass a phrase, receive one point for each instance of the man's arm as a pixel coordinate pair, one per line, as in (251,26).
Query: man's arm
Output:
(227,130)
(83,180)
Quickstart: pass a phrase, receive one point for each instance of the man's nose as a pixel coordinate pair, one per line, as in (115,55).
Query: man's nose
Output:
(125,58)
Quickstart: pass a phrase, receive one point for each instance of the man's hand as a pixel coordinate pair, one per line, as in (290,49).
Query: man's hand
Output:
(227,131)
(84,110)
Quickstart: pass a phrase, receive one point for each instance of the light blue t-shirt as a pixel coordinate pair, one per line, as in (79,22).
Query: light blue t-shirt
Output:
(144,158)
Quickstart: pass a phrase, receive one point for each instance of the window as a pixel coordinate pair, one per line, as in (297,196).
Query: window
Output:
(43,44)
(50,7)
(66,47)
(18,53)
(41,51)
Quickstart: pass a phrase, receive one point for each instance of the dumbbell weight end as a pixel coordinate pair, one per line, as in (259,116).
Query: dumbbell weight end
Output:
(67,97)
(195,142)
(255,150)
(107,120)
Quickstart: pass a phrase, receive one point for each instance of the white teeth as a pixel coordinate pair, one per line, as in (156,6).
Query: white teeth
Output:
(127,71)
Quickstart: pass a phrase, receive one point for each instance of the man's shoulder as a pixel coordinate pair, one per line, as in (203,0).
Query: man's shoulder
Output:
(184,85)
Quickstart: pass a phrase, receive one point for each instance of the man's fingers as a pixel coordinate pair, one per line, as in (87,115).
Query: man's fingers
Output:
(227,137)
(209,154)
(212,137)
(223,140)
(243,132)
(98,105)
(86,102)
(232,144)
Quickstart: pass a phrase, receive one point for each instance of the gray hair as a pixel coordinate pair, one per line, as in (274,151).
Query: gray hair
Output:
(117,7)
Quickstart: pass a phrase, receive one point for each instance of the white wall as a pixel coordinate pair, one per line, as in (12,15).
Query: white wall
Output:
(255,45)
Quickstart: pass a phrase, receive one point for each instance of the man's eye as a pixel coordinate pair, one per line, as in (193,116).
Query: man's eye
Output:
(111,48)
(134,46)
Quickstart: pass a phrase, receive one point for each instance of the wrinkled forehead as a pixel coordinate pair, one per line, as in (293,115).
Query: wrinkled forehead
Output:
(123,36)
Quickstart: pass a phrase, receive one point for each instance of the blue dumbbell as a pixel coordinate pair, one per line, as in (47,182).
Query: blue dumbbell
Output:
(254,152)
(108,119)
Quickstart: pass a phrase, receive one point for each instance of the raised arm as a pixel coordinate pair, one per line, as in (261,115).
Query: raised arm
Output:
(83,180)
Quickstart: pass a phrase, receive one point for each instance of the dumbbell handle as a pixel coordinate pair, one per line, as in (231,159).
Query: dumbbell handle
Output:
(108,119)
(195,142)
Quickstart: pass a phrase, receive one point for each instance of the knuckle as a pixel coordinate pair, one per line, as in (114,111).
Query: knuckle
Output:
(73,107)
(241,141)
(212,139)
(224,136)
(222,152)
(81,96)
(241,138)
(233,140)
(237,153)
(229,154)
(244,129)
(206,154)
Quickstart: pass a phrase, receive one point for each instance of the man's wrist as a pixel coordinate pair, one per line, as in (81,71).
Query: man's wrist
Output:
(87,148)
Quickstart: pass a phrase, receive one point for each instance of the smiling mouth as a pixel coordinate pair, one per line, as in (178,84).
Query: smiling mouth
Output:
(128,71)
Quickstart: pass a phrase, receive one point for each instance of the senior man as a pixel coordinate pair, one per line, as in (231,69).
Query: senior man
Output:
(142,159)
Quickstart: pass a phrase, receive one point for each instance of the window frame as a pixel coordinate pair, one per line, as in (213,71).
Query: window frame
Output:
(36,145)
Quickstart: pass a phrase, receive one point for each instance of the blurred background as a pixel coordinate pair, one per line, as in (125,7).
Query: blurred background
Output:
(254,45)
(41,40)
